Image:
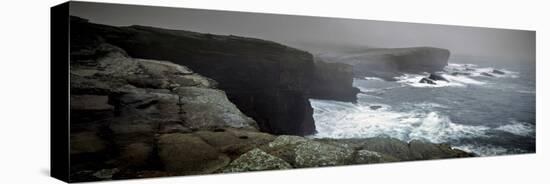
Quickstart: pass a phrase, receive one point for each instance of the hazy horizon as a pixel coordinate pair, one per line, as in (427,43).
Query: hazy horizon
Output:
(318,34)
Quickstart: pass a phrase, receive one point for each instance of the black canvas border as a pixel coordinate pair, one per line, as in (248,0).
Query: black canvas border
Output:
(59,92)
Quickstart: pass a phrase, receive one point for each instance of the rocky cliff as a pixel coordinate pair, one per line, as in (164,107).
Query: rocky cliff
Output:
(333,81)
(137,118)
(268,81)
(390,62)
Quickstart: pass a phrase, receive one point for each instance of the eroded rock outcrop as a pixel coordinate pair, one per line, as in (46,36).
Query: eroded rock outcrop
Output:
(267,81)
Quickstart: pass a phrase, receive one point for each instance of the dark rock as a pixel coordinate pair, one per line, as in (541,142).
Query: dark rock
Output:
(460,73)
(487,74)
(427,81)
(91,103)
(495,71)
(136,154)
(333,81)
(86,142)
(436,77)
(375,107)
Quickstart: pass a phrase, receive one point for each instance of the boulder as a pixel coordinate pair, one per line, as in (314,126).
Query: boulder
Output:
(256,160)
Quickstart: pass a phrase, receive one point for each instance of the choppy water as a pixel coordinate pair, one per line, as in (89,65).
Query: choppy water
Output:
(486,115)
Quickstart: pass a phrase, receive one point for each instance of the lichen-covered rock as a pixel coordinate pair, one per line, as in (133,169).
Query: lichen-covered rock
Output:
(369,157)
(315,154)
(302,152)
(187,154)
(256,160)
(392,149)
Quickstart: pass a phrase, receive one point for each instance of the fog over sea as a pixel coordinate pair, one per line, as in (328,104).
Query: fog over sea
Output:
(487,107)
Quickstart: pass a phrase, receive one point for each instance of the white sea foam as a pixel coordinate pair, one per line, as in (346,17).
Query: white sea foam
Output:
(346,120)
(454,81)
(458,75)
(476,71)
(518,128)
(483,150)
(374,78)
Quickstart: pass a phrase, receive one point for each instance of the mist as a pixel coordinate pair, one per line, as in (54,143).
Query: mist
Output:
(318,34)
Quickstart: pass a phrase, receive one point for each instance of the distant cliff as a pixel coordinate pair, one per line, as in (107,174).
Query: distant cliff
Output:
(268,81)
(390,62)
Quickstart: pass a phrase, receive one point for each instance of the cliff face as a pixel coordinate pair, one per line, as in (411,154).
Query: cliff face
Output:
(388,63)
(268,81)
(332,81)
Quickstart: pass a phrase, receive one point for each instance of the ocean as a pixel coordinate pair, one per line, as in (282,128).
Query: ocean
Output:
(478,110)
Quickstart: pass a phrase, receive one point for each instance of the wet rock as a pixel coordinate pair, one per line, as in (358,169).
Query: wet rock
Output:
(487,74)
(461,73)
(427,81)
(495,71)
(375,107)
(256,160)
(187,154)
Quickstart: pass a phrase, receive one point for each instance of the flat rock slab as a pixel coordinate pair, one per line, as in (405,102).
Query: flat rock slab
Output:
(188,154)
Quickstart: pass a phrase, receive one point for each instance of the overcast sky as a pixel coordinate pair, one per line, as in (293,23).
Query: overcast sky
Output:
(310,32)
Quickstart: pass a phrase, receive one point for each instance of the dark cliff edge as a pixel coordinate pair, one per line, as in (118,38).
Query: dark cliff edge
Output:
(387,63)
(267,81)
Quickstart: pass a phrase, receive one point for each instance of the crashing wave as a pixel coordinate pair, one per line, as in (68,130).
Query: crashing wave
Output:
(518,128)
(345,120)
